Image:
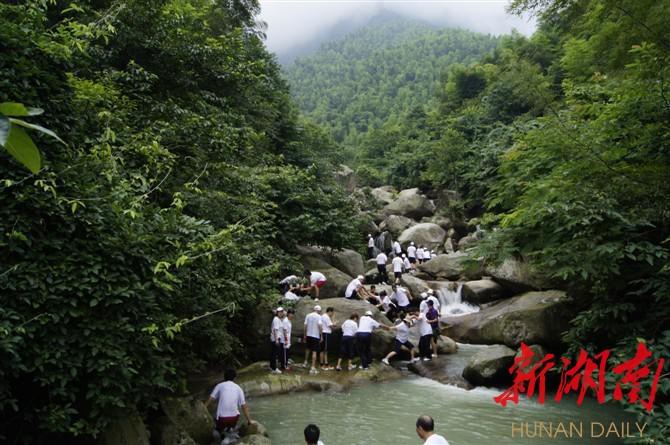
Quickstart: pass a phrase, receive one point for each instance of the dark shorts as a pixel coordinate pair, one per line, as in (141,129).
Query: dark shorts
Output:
(436,332)
(325,344)
(398,346)
(314,344)
(397,274)
(347,348)
(412,259)
(224,423)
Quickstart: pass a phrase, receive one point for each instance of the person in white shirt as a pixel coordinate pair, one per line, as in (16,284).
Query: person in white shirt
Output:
(381,268)
(431,296)
(400,295)
(411,253)
(423,306)
(402,342)
(366,325)
(316,281)
(312,434)
(289,283)
(419,254)
(425,336)
(313,336)
(397,249)
(230,399)
(398,265)
(436,305)
(288,327)
(328,325)
(371,246)
(347,347)
(277,340)
(406,263)
(356,291)
(425,426)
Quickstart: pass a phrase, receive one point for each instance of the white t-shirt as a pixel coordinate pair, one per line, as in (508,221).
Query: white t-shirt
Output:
(436,439)
(425,328)
(371,242)
(386,303)
(411,252)
(277,330)
(230,398)
(288,326)
(396,247)
(423,307)
(408,265)
(316,276)
(401,297)
(355,284)
(382,259)
(367,324)
(397,264)
(290,296)
(419,253)
(313,324)
(289,279)
(402,332)
(349,328)
(327,323)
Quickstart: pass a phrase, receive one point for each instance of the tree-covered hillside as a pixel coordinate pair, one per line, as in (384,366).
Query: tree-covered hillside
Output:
(378,73)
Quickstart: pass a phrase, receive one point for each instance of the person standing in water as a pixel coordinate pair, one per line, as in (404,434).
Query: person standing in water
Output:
(230,399)
(347,347)
(425,429)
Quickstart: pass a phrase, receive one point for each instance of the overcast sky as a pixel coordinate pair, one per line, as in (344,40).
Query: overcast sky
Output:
(294,23)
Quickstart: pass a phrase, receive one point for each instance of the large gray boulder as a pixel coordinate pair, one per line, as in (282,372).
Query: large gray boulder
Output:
(348,261)
(414,285)
(467,241)
(517,276)
(336,283)
(490,367)
(384,195)
(166,432)
(442,221)
(382,340)
(483,291)
(125,428)
(410,203)
(437,369)
(189,415)
(533,318)
(451,267)
(346,177)
(396,224)
(429,235)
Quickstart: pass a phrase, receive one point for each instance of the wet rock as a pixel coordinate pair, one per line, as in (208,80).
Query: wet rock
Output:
(436,369)
(412,204)
(490,367)
(446,345)
(189,415)
(414,285)
(533,318)
(429,235)
(483,291)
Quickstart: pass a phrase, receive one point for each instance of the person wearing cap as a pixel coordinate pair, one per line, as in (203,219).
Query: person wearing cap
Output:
(424,429)
(327,323)
(356,291)
(425,336)
(398,265)
(402,342)
(277,340)
(433,298)
(397,249)
(366,325)
(288,327)
(405,261)
(419,254)
(423,306)
(316,281)
(411,253)
(347,347)
(381,268)
(433,318)
(401,297)
(371,246)
(313,336)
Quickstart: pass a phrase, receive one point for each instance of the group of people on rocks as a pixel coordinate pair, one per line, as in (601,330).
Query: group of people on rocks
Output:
(230,399)
(401,262)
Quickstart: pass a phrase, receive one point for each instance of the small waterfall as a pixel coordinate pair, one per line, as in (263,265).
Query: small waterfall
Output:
(451,302)
(383,243)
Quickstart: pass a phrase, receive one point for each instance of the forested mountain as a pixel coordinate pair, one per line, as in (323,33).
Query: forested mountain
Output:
(378,73)
(135,253)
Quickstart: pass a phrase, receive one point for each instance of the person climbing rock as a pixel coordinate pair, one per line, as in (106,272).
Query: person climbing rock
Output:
(397,248)
(356,291)
(230,399)
(366,325)
(401,342)
(401,297)
(316,281)
(411,253)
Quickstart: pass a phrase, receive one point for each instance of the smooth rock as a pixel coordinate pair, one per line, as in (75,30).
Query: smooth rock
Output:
(414,285)
(396,224)
(483,291)
(384,195)
(189,415)
(517,276)
(449,267)
(410,203)
(490,367)
(429,235)
(436,369)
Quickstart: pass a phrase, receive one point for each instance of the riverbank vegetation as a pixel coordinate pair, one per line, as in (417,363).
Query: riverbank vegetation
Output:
(187,175)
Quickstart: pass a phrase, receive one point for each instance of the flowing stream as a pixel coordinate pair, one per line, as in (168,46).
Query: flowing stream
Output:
(384,414)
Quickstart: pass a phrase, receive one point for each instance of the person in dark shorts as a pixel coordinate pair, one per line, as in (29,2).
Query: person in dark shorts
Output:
(313,336)
(433,318)
(347,346)
(327,327)
(401,342)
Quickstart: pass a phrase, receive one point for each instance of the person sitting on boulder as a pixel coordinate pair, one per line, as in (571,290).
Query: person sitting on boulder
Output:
(347,346)
(402,342)
(373,298)
(230,398)
(355,289)
(316,281)
(312,434)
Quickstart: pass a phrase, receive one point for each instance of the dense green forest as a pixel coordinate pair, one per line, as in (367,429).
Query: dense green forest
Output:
(561,143)
(378,73)
(186,177)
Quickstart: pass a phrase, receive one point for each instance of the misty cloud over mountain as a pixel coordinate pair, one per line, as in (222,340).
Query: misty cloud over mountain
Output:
(297,28)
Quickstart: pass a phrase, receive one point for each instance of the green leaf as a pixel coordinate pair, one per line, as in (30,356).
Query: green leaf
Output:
(5,126)
(38,128)
(17,109)
(23,149)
